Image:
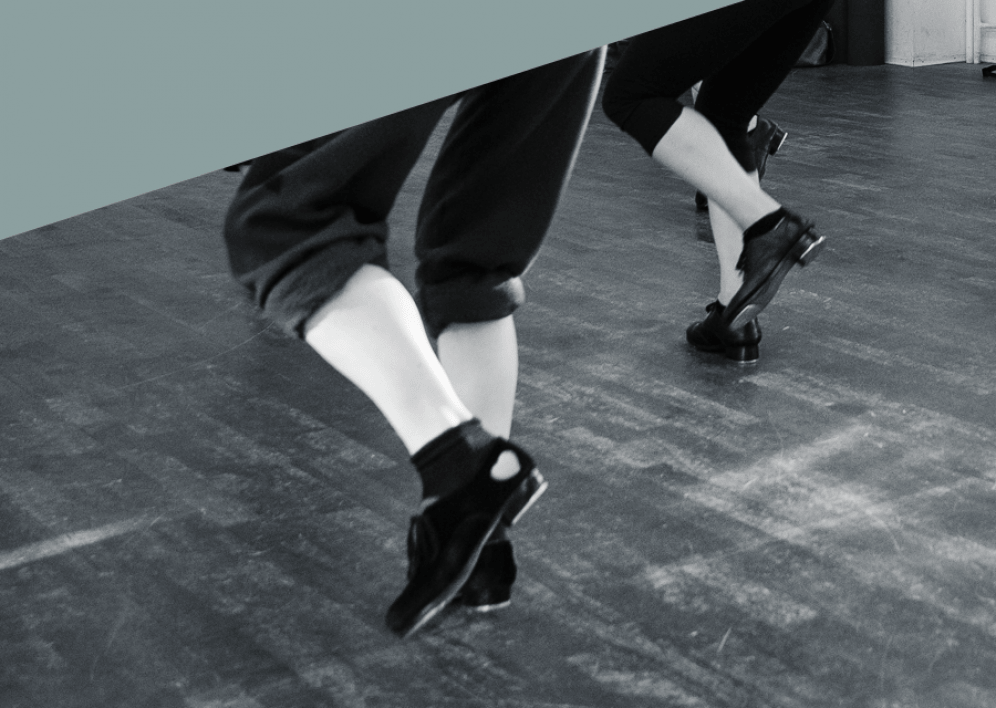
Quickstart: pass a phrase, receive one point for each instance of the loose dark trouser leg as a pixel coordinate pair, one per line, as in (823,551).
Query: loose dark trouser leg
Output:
(742,53)
(495,188)
(305,219)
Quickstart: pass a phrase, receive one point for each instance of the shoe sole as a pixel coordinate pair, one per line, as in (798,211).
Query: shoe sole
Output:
(518,503)
(539,488)
(747,354)
(483,609)
(743,355)
(802,252)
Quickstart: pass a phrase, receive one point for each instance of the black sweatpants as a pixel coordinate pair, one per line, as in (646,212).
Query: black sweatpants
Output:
(305,219)
(742,53)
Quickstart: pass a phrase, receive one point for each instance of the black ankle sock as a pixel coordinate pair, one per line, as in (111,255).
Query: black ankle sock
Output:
(450,461)
(764,224)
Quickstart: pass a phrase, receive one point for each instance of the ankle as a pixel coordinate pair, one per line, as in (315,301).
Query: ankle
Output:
(724,298)
(450,461)
(764,224)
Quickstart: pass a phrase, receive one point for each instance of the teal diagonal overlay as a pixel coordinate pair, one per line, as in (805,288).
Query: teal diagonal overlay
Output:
(105,100)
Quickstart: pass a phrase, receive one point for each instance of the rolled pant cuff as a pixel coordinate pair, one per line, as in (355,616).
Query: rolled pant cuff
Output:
(306,289)
(462,302)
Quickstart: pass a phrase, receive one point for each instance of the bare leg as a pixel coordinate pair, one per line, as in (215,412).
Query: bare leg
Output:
(728,237)
(482,361)
(371,332)
(694,150)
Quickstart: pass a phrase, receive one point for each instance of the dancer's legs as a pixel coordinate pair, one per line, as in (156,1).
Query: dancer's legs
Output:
(730,87)
(488,205)
(727,236)
(371,332)
(743,52)
(306,235)
(730,99)
(694,150)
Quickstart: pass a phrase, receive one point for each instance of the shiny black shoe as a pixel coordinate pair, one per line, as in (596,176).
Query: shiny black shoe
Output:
(447,539)
(765,261)
(767,139)
(489,587)
(713,334)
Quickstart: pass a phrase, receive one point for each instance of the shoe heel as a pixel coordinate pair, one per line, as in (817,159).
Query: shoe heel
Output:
(743,355)
(777,140)
(807,248)
(531,488)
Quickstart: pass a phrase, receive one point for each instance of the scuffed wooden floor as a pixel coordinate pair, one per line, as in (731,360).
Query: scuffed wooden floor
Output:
(197,512)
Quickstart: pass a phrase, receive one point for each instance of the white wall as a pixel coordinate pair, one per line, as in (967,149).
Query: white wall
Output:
(987,45)
(919,32)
